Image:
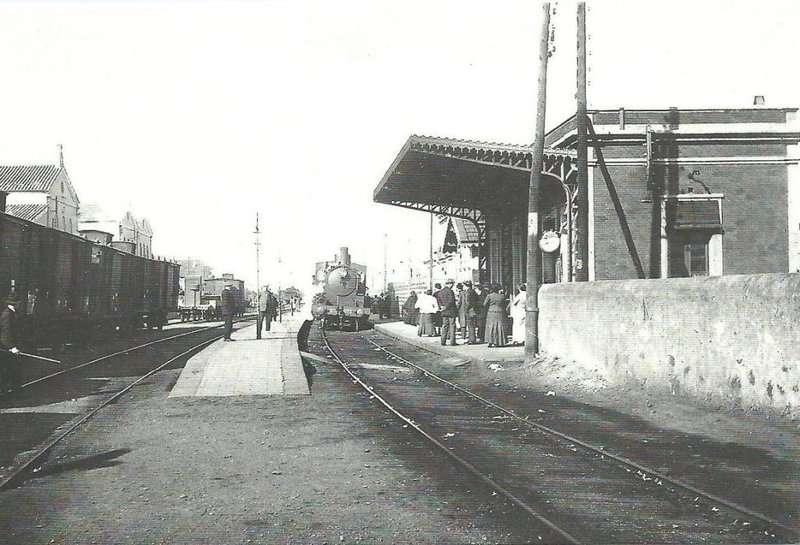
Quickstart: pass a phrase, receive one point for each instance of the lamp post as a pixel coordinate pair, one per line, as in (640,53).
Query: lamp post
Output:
(280,304)
(258,281)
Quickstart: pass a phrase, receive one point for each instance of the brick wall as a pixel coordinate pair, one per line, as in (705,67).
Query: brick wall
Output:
(755,216)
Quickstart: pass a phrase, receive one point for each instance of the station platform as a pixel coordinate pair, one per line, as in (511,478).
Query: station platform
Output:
(247,366)
(470,352)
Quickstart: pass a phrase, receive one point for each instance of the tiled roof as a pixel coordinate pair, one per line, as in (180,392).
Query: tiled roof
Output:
(28,177)
(466,231)
(26,211)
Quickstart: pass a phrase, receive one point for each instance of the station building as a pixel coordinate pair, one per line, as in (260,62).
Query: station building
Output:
(43,194)
(671,193)
(122,231)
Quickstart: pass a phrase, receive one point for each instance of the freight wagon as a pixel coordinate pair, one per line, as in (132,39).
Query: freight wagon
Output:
(71,289)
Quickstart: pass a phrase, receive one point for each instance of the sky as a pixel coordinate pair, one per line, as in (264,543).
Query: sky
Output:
(200,115)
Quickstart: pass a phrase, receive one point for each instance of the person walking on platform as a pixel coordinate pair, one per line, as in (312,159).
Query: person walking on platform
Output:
(427,306)
(496,317)
(517,310)
(272,309)
(228,305)
(263,304)
(468,306)
(449,307)
(9,353)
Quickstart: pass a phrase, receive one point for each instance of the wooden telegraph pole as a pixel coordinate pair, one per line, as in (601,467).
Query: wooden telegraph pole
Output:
(534,271)
(582,198)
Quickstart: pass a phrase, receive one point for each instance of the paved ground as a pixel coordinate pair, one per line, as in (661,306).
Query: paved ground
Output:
(270,365)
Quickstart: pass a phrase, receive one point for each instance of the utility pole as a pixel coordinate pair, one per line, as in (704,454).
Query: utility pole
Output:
(258,281)
(582,199)
(430,257)
(384,262)
(280,303)
(534,253)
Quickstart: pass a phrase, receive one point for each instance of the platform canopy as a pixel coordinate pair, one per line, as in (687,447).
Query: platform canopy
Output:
(463,178)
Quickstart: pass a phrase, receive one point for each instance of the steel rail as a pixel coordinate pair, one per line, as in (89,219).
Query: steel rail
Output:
(109,356)
(794,532)
(14,477)
(472,469)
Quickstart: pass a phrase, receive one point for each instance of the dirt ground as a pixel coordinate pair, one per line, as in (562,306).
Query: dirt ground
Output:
(321,469)
(327,468)
(779,435)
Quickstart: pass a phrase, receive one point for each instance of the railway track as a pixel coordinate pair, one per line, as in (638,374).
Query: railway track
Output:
(123,352)
(98,383)
(579,492)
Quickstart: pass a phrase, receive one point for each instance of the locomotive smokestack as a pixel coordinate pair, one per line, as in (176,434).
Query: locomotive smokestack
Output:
(344,256)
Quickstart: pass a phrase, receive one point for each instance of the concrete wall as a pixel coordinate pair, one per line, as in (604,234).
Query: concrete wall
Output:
(734,339)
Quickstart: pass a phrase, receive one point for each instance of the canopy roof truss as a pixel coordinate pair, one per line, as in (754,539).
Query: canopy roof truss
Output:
(434,175)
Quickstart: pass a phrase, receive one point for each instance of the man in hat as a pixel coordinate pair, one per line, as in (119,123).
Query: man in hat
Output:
(468,306)
(9,353)
(447,302)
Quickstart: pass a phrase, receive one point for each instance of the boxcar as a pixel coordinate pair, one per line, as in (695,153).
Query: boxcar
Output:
(70,288)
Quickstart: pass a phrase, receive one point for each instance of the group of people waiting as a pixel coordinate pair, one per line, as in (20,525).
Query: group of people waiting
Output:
(479,313)
(381,305)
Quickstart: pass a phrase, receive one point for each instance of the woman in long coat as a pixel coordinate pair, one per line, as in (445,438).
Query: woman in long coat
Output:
(496,317)
(517,310)
(409,310)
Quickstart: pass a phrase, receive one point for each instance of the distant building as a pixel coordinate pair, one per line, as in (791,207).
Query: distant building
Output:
(42,194)
(456,258)
(193,273)
(123,231)
(194,267)
(212,288)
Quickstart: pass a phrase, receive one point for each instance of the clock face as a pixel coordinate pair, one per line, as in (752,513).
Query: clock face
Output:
(550,241)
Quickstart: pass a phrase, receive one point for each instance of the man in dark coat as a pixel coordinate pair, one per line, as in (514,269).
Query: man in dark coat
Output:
(469,310)
(447,302)
(272,309)
(228,305)
(9,353)
(263,302)
(480,307)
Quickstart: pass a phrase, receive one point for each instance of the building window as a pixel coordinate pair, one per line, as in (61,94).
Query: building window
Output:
(688,254)
(692,243)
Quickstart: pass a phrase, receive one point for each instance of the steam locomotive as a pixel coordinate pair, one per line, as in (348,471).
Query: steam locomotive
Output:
(341,305)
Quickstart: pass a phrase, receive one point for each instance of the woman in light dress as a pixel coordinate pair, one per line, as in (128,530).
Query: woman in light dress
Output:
(517,311)
(428,307)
